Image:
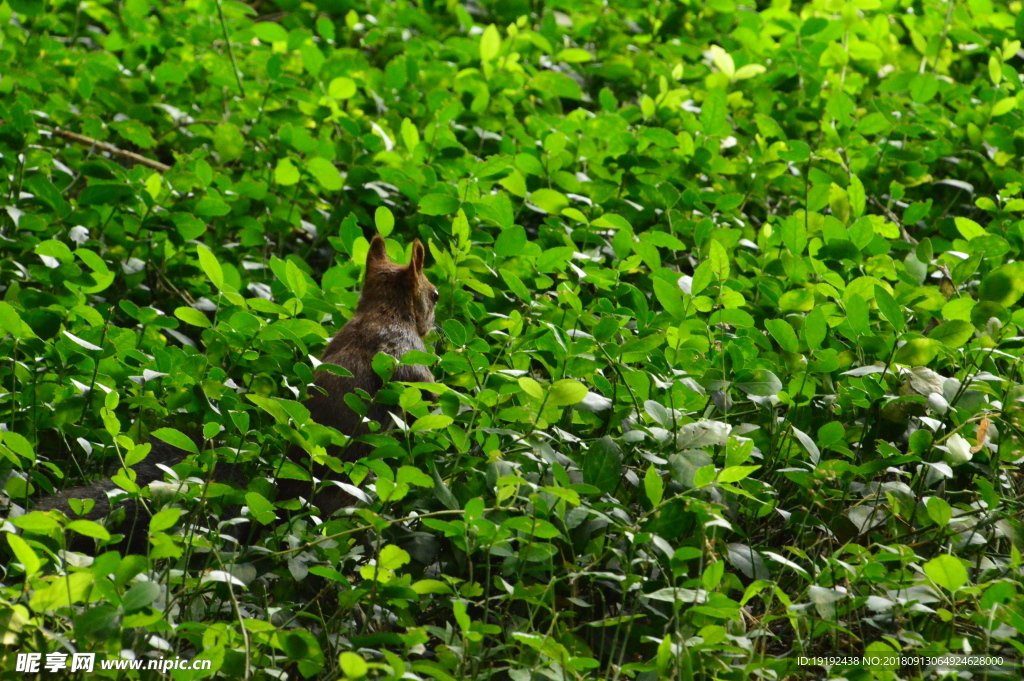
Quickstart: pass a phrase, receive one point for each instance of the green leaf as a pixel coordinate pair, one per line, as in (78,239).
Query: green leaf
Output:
(192,316)
(229,142)
(212,206)
(808,443)
(574,55)
(549,200)
(939,511)
(455,331)
(566,392)
(830,434)
(602,465)
(493,166)
(341,88)
(325,173)
(723,60)
(286,174)
(995,69)
(393,557)
(384,220)
(438,204)
(713,575)
(261,509)
(176,438)
(653,485)
(410,135)
(857,314)
(27,7)
(270,32)
(918,352)
(923,86)
(312,58)
(857,197)
(99,194)
(531,387)
(953,333)
(516,285)
(55,249)
(81,342)
(947,571)
(24,554)
(208,261)
(889,308)
(135,132)
(532,526)
(164,520)
(783,334)
(411,475)
(11,322)
(749,71)
(490,43)
(353,666)
(19,444)
(1003,285)
(140,595)
(431,422)
(1004,106)
(713,112)
(704,476)
(759,382)
(814,329)
(736,317)
(671,298)
(295,279)
(969,229)
(556,84)
(719,260)
(510,242)
(384,365)
(735,473)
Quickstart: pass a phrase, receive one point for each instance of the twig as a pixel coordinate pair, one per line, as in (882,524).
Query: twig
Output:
(904,234)
(231,52)
(110,148)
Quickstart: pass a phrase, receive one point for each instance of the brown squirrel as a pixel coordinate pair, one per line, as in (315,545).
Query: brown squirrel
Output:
(395,311)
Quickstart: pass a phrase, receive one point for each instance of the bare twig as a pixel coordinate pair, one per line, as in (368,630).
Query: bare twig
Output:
(895,218)
(231,52)
(111,149)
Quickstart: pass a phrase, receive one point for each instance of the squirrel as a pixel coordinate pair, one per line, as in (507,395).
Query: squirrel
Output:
(394,313)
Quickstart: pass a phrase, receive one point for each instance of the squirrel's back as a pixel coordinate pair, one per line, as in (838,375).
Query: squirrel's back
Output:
(395,310)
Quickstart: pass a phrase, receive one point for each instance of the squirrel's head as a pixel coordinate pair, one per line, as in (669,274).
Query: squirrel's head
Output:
(403,288)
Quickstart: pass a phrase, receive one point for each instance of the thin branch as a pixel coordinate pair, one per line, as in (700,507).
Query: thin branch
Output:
(904,234)
(110,148)
(231,52)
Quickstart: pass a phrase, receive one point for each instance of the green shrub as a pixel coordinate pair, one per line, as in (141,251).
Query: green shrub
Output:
(728,354)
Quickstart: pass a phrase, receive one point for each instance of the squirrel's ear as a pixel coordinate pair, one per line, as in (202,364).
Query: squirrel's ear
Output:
(378,253)
(418,255)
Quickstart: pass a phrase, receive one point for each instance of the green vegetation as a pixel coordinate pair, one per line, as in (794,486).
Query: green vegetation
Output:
(729,337)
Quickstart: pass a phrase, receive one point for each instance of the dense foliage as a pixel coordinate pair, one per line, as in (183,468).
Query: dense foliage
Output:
(728,347)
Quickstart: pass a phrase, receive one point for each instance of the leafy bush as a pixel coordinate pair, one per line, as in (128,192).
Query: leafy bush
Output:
(728,358)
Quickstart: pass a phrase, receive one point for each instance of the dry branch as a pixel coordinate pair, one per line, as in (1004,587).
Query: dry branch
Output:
(111,149)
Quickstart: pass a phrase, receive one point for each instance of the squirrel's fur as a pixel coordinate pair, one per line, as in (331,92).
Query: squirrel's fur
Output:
(395,311)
